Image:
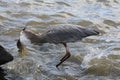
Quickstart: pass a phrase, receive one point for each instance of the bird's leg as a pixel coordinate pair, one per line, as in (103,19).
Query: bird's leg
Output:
(21,47)
(67,52)
(67,55)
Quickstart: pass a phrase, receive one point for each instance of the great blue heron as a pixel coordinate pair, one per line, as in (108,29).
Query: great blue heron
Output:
(4,56)
(62,33)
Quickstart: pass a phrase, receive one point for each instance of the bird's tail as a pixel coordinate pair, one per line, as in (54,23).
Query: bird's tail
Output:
(91,32)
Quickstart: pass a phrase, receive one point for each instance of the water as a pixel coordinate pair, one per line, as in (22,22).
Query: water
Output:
(94,58)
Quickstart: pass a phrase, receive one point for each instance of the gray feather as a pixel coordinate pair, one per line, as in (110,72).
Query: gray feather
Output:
(66,33)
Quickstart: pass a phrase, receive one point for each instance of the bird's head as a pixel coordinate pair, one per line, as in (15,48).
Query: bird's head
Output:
(23,41)
(26,38)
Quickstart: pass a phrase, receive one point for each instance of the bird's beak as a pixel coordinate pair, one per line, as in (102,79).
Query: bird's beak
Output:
(21,47)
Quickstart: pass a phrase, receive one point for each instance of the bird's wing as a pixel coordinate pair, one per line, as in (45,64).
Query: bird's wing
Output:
(67,33)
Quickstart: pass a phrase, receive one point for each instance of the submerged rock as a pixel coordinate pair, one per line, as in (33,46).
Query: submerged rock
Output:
(4,56)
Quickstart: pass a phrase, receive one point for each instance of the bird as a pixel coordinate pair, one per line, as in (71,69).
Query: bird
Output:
(5,56)
(56,34)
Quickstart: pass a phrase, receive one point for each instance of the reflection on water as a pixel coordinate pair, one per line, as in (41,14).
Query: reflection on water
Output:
(95,58)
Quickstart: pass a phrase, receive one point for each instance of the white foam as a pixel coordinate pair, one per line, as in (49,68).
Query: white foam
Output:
(94,53)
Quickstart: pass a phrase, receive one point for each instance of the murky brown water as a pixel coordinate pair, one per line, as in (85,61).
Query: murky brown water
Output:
(94,58)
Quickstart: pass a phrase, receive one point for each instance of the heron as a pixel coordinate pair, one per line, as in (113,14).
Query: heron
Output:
(5,57)
(57,34)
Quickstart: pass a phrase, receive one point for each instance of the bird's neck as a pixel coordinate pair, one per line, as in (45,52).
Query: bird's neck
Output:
(36,39)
